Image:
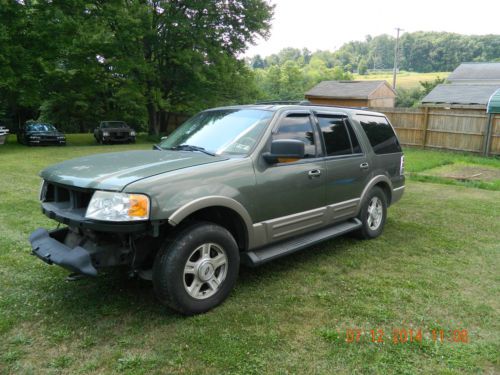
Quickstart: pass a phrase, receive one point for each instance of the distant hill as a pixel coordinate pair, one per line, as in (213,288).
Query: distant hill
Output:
(419,52)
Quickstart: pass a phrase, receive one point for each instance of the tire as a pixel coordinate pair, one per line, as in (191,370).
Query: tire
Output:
(185,276)
(373,225)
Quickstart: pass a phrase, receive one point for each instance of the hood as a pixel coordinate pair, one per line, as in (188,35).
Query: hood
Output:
(116,170)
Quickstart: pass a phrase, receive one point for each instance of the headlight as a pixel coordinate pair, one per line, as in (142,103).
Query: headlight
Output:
(43,190)
(105,134)
(110,206)
(132,133)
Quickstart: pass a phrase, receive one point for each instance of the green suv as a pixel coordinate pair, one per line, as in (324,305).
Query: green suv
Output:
(242,184)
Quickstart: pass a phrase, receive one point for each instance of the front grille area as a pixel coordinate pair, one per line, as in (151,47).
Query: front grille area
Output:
(67,197)
(119,134)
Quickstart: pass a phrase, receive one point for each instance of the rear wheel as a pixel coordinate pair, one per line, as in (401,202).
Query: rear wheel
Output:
(197,270)
(373,214)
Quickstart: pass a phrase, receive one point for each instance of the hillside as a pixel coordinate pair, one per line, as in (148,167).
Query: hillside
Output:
(405,80)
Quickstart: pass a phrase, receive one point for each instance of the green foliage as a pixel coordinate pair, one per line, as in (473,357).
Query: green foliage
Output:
(290,80)
(413,96)
(76,63)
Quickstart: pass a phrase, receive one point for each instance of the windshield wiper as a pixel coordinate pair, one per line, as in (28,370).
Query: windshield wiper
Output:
(192,148)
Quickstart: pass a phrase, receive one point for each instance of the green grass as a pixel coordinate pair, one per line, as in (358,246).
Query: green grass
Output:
(435,267)
(420,165)
(405,80)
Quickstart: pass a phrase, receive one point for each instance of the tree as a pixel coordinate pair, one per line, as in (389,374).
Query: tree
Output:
(83,60)
(362,66)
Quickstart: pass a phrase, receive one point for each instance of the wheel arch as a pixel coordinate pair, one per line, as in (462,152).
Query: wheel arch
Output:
(381,181)
(222,211)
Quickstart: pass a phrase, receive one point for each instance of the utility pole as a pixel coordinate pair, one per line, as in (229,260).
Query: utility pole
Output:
(396,53)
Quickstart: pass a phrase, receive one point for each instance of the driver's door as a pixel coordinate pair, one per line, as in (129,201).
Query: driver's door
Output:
(291,195)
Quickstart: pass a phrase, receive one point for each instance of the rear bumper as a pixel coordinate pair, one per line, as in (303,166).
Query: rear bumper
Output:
(397,194)
(47,246)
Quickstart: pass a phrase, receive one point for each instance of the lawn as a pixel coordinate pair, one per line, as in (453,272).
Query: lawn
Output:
(434,271)
(405,80)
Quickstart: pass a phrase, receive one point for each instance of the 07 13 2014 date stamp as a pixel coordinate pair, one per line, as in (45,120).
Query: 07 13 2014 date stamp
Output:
(403,335)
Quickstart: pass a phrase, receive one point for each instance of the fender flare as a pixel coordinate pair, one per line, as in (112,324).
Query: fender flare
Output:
(211,201)
(374,181)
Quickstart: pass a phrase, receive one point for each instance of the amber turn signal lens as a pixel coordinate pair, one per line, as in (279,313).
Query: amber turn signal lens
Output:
(139,206)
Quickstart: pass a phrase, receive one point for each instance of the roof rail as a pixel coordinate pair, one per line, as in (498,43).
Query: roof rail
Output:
(308,103)
(284,102)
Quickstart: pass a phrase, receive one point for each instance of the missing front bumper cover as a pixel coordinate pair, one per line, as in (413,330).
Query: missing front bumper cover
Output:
(46,246)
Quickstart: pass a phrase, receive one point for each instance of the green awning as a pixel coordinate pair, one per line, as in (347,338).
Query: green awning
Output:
(494,103)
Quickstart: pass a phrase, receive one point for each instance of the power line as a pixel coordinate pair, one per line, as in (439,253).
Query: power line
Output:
(396,54)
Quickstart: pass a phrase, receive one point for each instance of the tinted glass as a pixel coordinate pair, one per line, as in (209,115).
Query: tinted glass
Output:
(113,124)
(380,134)
(298,127)
(356,148)
(41,128)
(335,134)
(223,131)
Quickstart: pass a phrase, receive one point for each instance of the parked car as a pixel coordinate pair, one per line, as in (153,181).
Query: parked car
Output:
(38,133)
(242,184)
(114,131)
(4,132)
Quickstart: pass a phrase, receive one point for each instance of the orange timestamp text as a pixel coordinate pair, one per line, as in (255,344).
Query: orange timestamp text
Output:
(403,335)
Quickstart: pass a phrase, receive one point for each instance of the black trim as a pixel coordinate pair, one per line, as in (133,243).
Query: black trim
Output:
(76,219)
(48,247)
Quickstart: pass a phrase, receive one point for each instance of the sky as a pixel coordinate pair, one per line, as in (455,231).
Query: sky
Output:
(327,24)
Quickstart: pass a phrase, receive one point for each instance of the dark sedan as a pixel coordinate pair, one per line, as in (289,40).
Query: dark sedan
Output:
(114,131)
(38,133)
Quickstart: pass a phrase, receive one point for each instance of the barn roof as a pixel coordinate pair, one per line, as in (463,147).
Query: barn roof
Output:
(346,89)
(488,71)
(460,94)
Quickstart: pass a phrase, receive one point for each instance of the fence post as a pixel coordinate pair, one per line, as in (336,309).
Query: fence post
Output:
(426,124)
(487,134)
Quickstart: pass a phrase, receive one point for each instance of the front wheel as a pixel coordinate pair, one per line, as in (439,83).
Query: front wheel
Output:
(197,270)
(373,214)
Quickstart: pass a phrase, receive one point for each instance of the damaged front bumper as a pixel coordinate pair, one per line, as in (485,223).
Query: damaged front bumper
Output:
(50,247)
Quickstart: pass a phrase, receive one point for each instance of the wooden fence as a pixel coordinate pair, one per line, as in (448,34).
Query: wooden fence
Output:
(457,128)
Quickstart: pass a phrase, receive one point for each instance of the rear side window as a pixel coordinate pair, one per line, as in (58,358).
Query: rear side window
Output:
(338,135)
(380,134)
(298,126)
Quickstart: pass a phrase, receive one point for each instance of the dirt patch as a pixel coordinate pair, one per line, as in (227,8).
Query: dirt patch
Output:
(463,172)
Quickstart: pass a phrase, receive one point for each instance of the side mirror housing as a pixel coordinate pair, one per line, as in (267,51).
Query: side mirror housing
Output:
(285,149)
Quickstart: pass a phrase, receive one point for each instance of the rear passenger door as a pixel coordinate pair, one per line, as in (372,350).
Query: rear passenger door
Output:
(347,169)
(385,146)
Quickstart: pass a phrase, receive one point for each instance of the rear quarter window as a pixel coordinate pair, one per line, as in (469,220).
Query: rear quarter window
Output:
(380,134)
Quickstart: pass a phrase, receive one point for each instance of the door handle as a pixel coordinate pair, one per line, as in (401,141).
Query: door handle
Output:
(314,173)
(364,165)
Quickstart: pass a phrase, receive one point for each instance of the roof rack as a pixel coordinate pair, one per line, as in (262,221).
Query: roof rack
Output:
(308,103)
(285,102)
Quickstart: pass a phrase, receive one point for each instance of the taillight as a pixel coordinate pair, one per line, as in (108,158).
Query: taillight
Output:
(402,165)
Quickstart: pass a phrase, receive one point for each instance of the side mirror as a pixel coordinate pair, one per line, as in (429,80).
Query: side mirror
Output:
(285,149)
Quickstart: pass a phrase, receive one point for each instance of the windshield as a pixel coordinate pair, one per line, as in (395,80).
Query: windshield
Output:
(41,128)
(223,131)
(113,124)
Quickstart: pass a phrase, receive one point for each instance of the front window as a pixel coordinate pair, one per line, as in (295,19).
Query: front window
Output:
(113,124)
(222,131)
(41,128)
(298,126)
